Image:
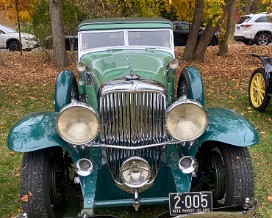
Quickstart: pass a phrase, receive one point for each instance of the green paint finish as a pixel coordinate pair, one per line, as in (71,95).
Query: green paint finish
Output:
(63,89)
(182,181)
(171,89)
(35,132)
(91,96)
(128,23)
(113,64)
(228,127)
(196,90)
(107,191)
(89,183)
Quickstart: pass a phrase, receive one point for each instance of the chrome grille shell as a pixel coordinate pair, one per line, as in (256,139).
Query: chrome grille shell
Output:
(132,114)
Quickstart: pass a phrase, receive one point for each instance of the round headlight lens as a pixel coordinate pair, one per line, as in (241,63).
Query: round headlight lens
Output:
(186,120)
(81,67)
(174,64)
(78,123)
(135,172)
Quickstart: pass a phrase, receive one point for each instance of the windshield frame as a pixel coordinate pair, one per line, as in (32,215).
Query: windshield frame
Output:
(126,46)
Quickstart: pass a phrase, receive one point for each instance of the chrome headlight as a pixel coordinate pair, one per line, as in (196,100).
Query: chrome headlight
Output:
(135,172)
(77,123)
(186,120)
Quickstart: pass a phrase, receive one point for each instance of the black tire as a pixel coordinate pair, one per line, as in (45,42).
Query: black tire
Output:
(14,45)
(226,171)
(248,42)
(258,96)
(262,39)
(41,195)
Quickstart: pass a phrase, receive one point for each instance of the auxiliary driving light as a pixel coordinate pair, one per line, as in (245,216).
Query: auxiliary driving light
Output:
(187,164)
(135,172)
(84,167)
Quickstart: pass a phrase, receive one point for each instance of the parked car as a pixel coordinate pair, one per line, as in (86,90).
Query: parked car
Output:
(9,39)
(260,84)
(71,42)
(181,32)
(120,136)
(254,29)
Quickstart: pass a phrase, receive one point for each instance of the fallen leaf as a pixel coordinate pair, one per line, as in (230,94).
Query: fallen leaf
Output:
(25,198)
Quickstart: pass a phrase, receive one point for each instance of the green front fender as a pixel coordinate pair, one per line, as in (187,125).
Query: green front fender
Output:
(37,131)
(65,88)
(229,127)
(190,77)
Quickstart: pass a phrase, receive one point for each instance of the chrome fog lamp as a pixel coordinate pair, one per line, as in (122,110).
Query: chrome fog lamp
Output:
(173,64)
(135,172)
(84,167)
(187,164)
(77,123)
(186,120)
(80,66)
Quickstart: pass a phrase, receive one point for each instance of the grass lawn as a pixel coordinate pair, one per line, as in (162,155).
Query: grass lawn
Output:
(27,85)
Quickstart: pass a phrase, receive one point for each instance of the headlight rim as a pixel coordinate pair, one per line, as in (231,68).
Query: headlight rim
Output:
(83,105)
(186,101)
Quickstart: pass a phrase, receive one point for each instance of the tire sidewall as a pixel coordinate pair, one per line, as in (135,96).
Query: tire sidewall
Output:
(35,183)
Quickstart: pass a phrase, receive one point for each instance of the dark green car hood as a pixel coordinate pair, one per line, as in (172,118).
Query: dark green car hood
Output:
(113,64)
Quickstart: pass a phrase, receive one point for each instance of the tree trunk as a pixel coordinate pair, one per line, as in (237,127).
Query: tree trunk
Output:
(223,44)
(207,36)
(193,33)
(204,41)
(248,5)
(60,55)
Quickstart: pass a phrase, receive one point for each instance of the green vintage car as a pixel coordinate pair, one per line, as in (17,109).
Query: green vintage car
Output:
(121,135)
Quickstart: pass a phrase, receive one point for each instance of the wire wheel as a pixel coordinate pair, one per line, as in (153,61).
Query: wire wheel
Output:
(258,97)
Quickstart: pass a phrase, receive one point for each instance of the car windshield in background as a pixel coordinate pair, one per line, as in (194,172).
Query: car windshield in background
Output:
(157,38)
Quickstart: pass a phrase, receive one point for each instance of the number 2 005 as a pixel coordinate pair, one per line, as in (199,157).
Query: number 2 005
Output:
(190,201)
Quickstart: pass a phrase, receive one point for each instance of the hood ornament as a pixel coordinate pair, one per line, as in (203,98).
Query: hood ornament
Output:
(132,77)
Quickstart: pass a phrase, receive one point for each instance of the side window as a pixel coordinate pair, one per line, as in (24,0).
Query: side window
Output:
(184,27)
(262,19)
(1,32)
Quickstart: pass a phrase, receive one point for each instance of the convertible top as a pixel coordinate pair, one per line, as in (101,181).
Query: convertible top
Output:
(124,23)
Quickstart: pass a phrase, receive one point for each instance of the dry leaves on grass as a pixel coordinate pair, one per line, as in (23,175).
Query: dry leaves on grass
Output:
(32,68)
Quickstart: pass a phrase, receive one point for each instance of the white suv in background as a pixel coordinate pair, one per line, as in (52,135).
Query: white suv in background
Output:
(254,29)
(9,39)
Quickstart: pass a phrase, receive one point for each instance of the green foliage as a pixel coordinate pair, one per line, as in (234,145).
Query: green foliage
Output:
(41,23)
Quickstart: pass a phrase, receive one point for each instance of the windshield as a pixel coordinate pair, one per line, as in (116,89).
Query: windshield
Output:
(146,38)
(7,29)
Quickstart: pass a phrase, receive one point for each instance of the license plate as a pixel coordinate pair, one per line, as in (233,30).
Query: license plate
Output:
(190,202)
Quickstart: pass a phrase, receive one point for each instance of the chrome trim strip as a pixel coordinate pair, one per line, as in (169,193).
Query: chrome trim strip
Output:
(132,148)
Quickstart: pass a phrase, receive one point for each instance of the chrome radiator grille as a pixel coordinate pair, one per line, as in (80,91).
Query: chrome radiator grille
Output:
(132,117)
